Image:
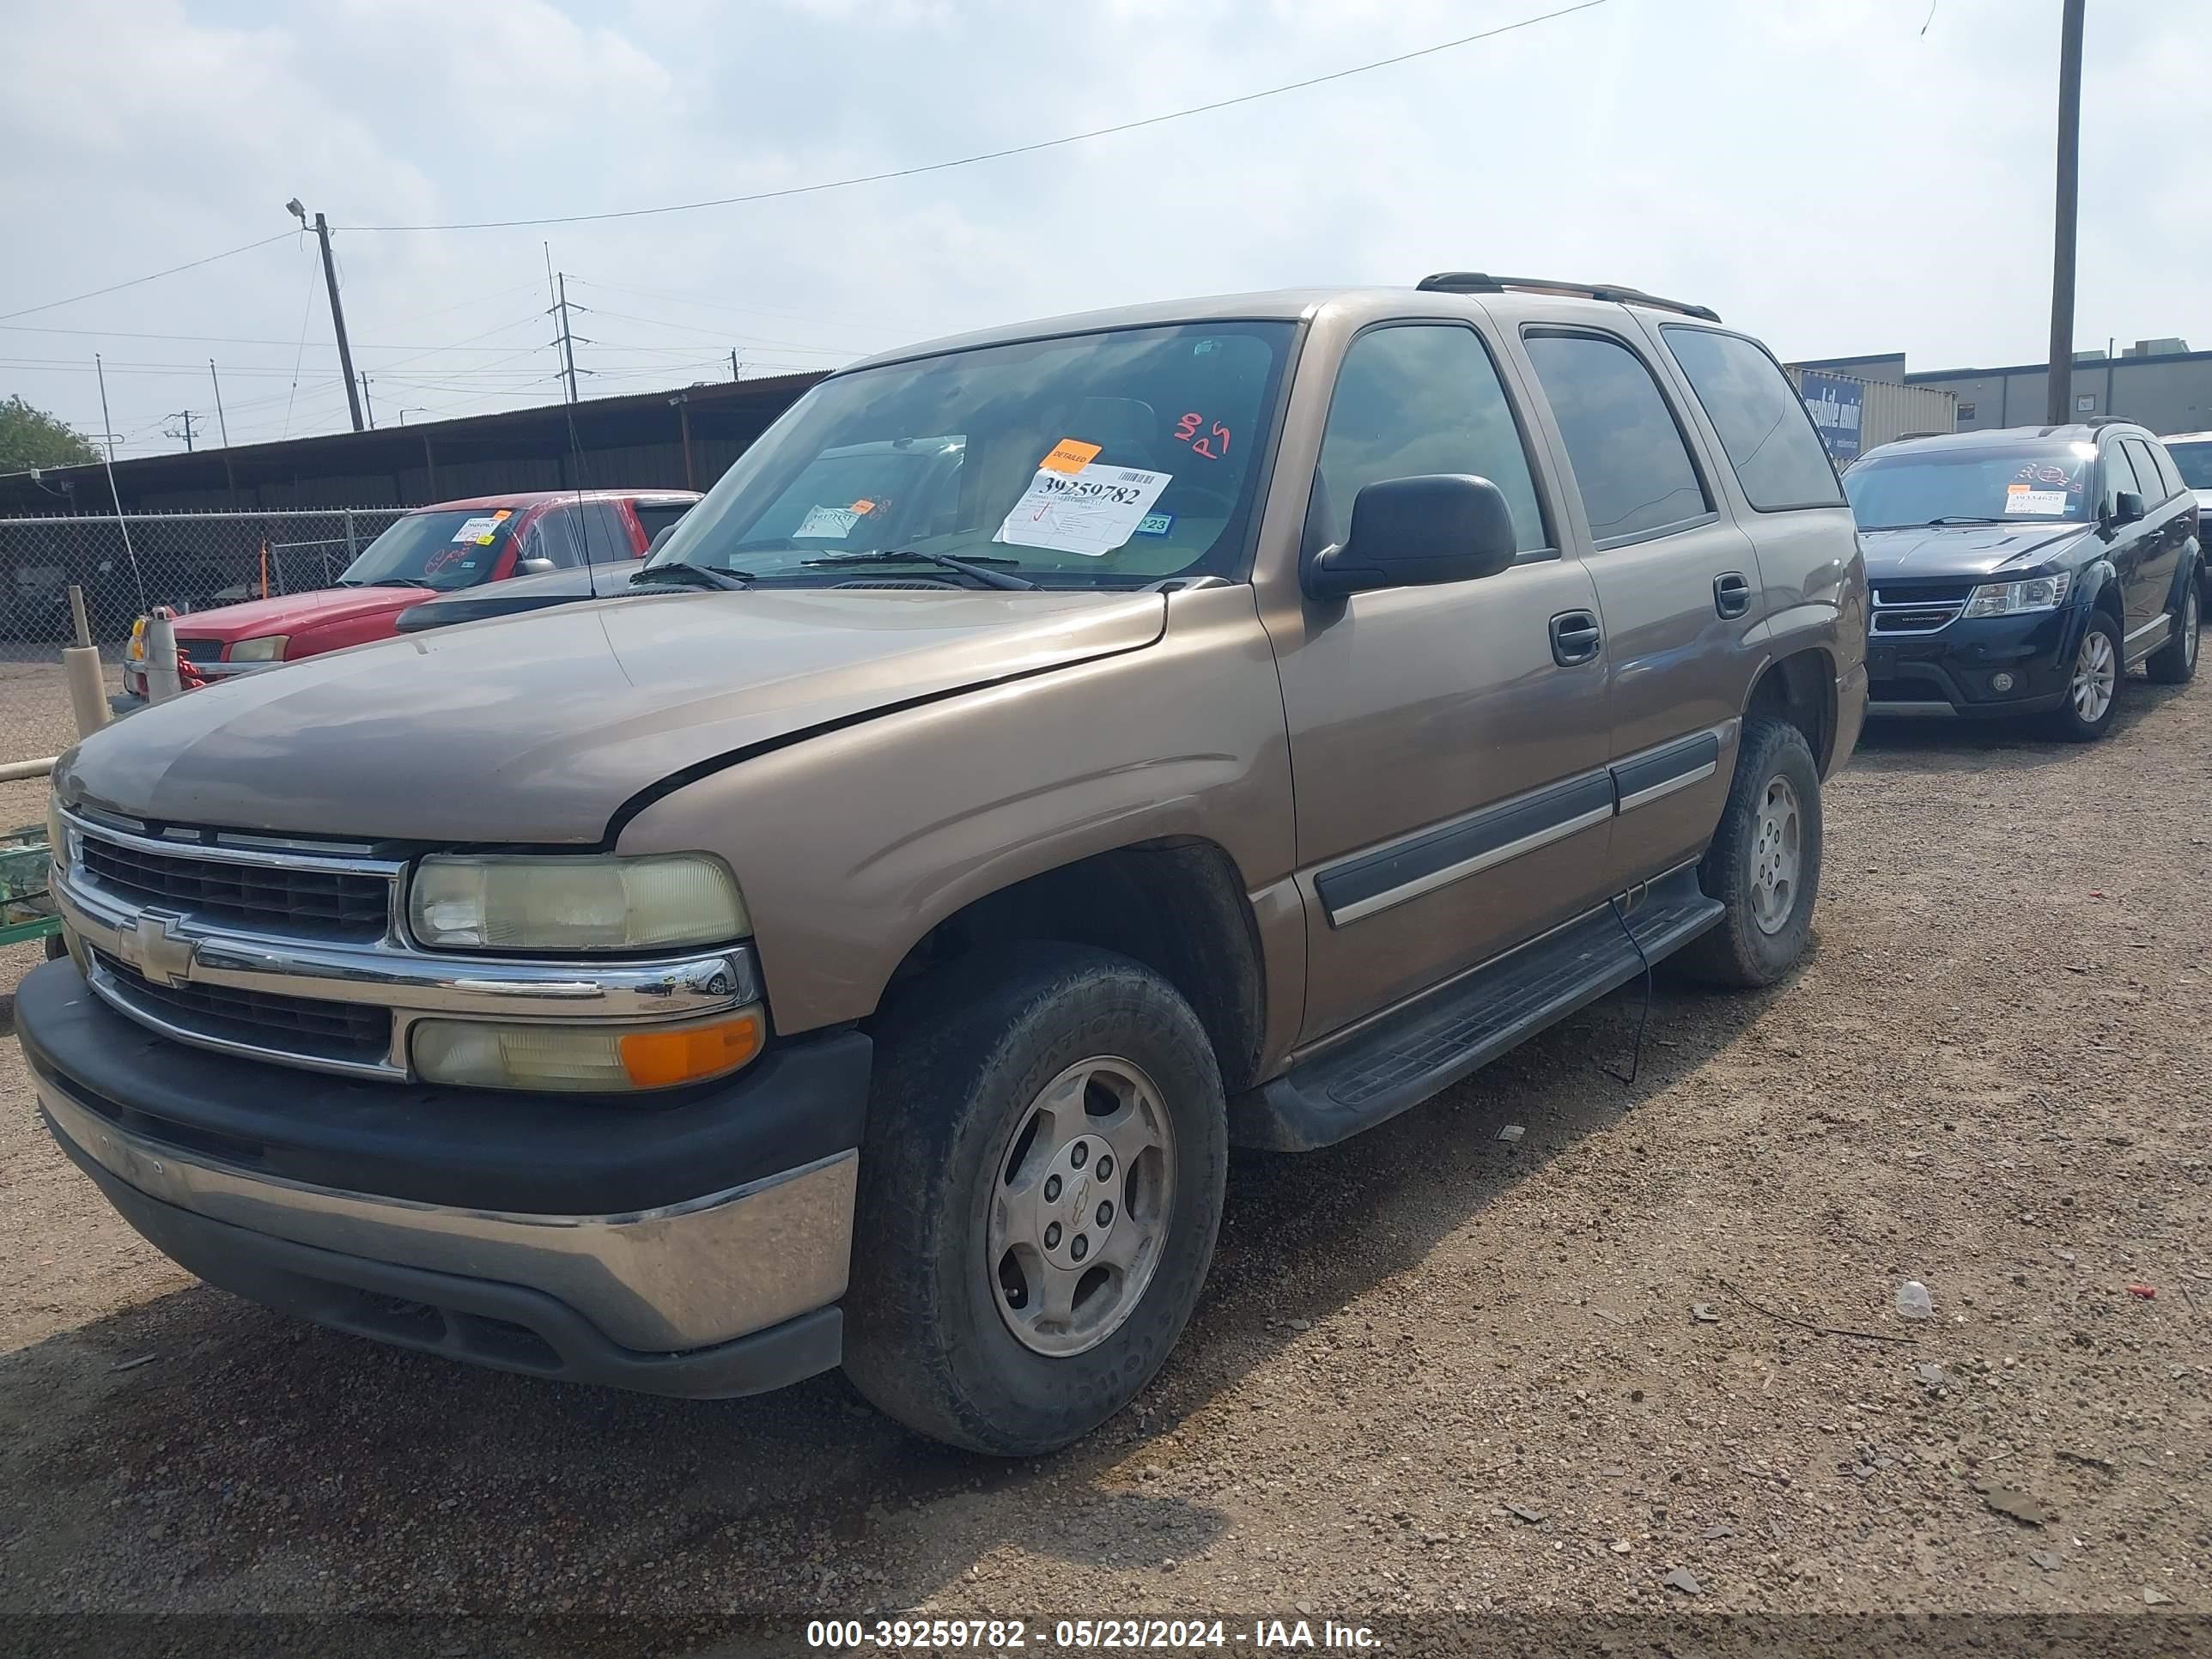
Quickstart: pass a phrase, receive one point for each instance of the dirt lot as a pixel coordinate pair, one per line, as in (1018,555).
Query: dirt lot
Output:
(1433,1372)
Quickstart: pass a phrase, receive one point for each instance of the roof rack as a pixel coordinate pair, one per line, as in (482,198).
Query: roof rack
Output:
(1475,281)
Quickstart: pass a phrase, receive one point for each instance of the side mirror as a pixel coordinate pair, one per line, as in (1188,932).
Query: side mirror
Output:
(2127,506)
(659,537)
(532,567)
(1412,533)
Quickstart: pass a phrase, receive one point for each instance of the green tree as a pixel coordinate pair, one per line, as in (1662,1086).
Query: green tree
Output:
(30,437)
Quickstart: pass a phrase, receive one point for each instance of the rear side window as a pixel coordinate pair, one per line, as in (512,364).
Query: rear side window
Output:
(1414,399)
(2167,468)
(656,516)
(1770,439)
(1629,459)
(2147,472)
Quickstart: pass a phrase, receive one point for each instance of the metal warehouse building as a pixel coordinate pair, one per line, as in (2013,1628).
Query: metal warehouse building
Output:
(2160,383)
(678,439)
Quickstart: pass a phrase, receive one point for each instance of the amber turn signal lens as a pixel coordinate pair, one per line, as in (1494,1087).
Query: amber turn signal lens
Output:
(660,1060)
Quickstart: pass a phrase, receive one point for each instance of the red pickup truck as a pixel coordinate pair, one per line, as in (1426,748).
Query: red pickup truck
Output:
(438,550)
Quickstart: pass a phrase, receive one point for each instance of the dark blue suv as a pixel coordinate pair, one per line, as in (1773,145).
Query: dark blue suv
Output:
(2024,571)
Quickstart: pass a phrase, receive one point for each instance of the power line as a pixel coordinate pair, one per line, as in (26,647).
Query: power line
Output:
(998,154)
(113,287)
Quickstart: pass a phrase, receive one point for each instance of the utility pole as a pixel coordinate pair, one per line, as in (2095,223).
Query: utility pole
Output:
(2058,408)
(568,340)
(367,407)
(733,365)
(322,229)
(221,425)
(185,415)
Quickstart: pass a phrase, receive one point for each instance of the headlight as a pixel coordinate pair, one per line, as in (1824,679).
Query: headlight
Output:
(2010,598)
(600,1059)
(270,648)
(57,832)
(589,904)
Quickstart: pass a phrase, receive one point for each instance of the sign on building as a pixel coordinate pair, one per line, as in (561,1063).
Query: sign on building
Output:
(1837,405)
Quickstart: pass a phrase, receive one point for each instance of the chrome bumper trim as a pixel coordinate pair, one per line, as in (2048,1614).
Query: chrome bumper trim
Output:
(168,948)
(683,1276)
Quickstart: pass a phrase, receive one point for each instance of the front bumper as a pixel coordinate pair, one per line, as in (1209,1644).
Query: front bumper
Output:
(694,1248)
(1952,672)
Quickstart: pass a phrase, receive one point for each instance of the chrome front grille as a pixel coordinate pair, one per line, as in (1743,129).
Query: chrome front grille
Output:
(294,952)
(1920,609)
(315,898)
(257,1019)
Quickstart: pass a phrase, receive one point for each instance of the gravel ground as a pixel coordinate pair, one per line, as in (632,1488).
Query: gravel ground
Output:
(1433,1372)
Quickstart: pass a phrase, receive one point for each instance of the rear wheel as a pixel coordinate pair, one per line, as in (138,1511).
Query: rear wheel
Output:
(1039,1190)
(2092,688)
(2174,662)
(1764,864)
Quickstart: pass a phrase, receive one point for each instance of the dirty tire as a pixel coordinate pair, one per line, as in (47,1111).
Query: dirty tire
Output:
(2066,721)
(1737,951)
(959,1060)
(2174,662)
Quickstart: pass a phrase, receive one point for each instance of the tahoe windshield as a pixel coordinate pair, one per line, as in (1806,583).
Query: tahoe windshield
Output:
(1998,485)
(443,550)
(1109,459)
(2195,461)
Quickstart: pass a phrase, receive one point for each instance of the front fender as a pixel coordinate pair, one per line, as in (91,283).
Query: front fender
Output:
(852,845)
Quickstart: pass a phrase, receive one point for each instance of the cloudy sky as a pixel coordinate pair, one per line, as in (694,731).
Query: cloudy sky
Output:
(1825,174)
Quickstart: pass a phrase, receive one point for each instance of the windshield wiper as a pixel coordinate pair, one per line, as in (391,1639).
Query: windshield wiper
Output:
(974,568)
(397,581)
(1963,518)
(697,575)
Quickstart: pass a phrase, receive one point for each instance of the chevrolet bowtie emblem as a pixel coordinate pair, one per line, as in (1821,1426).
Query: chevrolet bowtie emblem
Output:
(151,946)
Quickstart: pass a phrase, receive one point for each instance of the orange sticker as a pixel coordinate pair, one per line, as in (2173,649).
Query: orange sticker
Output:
(1070,455)
(864,505)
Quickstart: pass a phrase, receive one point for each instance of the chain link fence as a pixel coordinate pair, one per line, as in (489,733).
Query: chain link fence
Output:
(191,561)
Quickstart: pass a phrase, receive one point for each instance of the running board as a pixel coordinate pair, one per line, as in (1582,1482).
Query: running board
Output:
(1408,1055)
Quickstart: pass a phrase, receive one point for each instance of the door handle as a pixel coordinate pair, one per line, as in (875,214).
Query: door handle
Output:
(1575,637)
(1731,593)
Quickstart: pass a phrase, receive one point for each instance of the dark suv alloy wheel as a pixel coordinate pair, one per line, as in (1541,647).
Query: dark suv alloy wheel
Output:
(2093,687)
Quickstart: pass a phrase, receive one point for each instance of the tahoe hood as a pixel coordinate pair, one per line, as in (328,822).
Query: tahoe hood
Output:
(1935,551)
(538,728)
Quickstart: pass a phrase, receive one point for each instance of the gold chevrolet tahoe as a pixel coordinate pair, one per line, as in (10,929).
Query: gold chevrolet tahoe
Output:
(1048,758)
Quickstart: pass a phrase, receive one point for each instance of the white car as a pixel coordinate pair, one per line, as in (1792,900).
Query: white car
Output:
(2192,453)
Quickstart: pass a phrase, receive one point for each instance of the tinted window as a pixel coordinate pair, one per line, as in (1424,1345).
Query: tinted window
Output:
(656,516)
(2120,474)
(2147,474)
(1419,399)
(1777,456)
(607,532)
(1628,456)
(554,536)
(2167,472)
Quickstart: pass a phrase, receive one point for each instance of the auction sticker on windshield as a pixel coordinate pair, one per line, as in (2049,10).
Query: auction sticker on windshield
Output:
(482,531)
(2019,498)
(827,523)
(1091,512)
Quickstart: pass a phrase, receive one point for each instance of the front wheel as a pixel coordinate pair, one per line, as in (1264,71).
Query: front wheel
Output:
(1039,1190)
(1764,864)
(2174,662)
(2092,689)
